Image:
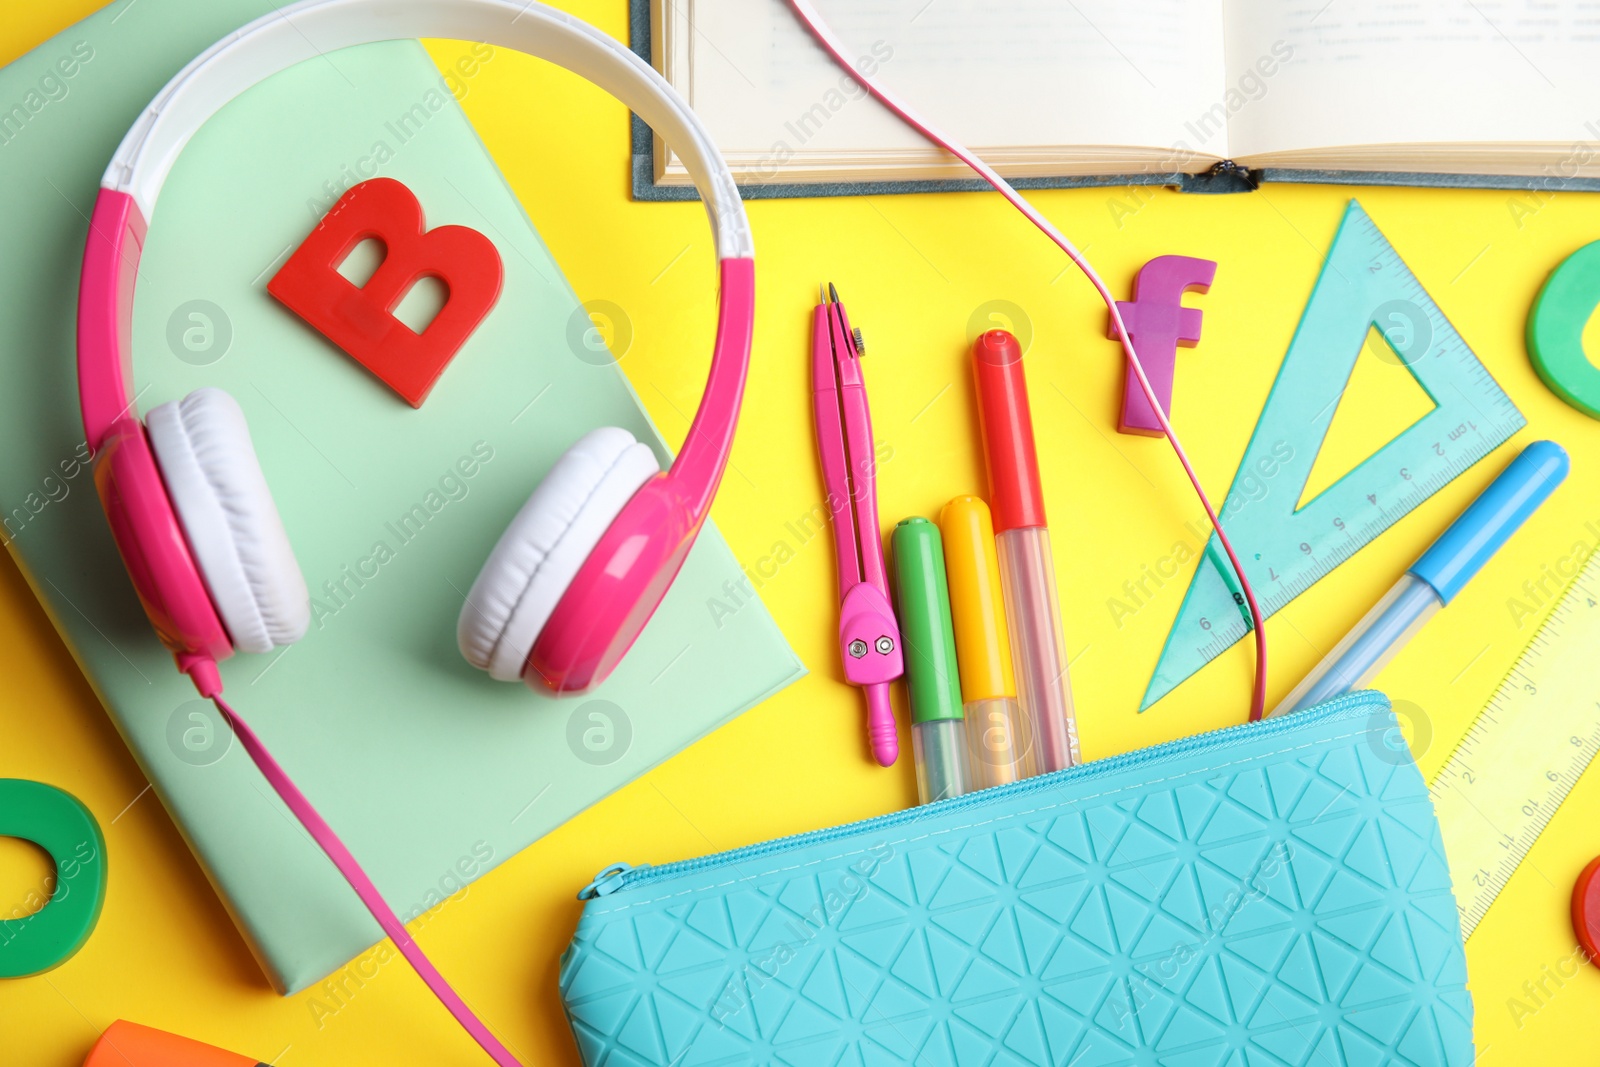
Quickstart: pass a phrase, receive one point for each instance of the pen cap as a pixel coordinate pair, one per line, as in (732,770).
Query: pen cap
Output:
(923,607)
(1007,427)
(977,612)
(1466,546)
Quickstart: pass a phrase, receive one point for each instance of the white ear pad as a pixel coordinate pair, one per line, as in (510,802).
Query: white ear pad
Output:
(545,545)
(209,465)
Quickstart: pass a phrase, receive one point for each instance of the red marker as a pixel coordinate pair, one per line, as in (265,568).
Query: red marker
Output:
(1022,541)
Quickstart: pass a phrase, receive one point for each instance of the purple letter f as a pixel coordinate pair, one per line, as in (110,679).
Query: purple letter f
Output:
(1159,323)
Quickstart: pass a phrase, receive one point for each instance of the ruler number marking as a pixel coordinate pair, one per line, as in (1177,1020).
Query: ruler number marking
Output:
(1530,711)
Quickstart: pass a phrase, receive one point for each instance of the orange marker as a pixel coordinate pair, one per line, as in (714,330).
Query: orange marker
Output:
(126,1044)
(999,736)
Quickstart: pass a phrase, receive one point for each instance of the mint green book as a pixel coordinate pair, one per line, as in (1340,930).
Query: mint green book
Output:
(429,770)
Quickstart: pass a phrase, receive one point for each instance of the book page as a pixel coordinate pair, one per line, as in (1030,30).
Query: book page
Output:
(1054,73)
(1380,72)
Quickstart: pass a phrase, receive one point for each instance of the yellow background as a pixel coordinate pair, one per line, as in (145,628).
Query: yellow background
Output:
(913,271)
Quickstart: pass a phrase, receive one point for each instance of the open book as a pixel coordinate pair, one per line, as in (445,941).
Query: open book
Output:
(1069,89)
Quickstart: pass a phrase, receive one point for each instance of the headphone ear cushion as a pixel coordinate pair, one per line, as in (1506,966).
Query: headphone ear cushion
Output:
(209,465)
(545,545)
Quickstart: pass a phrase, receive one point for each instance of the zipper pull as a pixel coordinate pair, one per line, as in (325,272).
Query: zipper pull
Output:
(608,881)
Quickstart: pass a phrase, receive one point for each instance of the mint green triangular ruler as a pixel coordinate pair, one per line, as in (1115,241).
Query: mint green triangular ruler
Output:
(1285,549)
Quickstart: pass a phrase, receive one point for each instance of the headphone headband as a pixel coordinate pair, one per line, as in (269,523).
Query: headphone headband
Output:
(132,183)
(312,28)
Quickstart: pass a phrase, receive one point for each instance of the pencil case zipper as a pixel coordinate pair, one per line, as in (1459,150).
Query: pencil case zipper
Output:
(620,876)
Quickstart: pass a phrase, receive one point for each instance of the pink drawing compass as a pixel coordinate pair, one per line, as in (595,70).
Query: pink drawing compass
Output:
(869,636)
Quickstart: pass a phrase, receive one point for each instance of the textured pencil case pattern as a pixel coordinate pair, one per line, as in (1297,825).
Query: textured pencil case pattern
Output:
(1267,894)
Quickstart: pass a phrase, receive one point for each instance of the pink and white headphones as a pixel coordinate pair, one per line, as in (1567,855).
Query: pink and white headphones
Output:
(582,566)
(585,562)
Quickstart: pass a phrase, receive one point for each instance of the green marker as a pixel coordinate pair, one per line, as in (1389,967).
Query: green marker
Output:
(938,732)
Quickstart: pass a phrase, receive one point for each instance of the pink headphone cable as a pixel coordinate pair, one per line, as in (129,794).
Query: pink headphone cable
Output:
(329,841)
(835,48)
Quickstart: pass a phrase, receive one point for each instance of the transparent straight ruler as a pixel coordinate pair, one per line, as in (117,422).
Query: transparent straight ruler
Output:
(1524,753)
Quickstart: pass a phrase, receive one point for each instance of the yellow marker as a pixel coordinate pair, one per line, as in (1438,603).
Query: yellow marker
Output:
(999,736)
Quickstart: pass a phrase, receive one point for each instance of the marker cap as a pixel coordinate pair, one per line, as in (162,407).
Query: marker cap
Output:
(923,605)
(1007,426)
(977,610)
(1466,546)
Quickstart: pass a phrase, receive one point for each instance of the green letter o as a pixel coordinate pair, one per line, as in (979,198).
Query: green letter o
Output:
(58,823)
(1555,330)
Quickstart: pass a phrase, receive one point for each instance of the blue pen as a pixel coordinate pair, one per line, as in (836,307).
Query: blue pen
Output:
(1435,579)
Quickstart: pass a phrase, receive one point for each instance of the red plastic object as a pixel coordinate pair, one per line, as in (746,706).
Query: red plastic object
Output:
(126,1044)
(1159,323)
(1006,422)
(1586,910)
(360,319)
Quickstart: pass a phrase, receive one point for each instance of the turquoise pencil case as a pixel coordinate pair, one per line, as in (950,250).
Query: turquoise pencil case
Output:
(1272,893)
